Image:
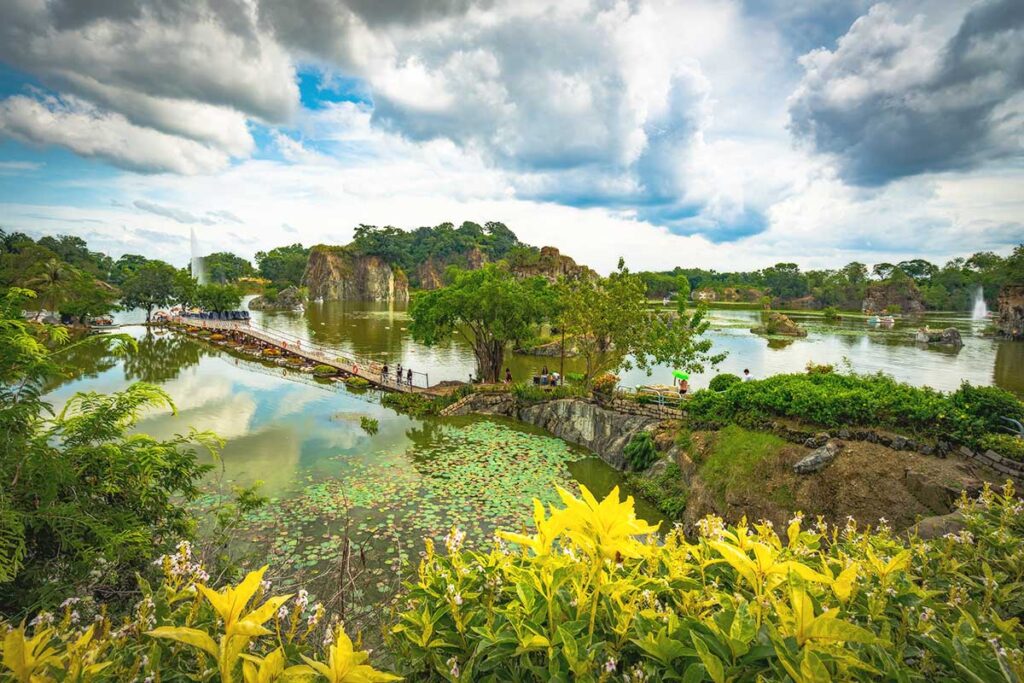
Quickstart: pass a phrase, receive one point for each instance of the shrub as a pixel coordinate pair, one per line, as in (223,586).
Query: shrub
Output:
(356,382)
(183,629)
(588,598)
(418,405)
(531,393)
(831,313)
(813,368)
(723,381)
(370,425)
(576,377)
(988,404)
(1006,445)
(666,490)
(325,371)
(605,384)
(641,452)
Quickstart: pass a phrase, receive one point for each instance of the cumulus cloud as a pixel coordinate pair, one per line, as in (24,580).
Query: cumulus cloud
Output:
(91,132)
(900,97)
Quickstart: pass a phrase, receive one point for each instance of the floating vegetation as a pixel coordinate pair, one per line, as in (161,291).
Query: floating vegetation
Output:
(370,425)
(477,476)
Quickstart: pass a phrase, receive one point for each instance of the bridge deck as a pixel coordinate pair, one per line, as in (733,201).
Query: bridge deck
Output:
(370,370)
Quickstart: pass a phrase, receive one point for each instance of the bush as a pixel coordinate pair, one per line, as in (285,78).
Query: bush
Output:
(1006,445)
(813,368)
(325,371)
(605,384)
(667,490)
(532,393)
(587,597)
(370,425)
(576,377)
(723,381)
(419,405)
(185,630)
(356,382)
(641,452)
(831,313)
(833,400)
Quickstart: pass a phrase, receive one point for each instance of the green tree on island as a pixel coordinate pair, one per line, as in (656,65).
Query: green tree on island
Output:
(283,265)
(153,285)
(218,297)
(488,307)
(223,267)
(612,327)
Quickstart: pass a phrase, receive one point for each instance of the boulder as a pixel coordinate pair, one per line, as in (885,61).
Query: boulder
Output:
(779,323)
(936,527)
(1010,312)
(947,337)
(287,299)
(818,459)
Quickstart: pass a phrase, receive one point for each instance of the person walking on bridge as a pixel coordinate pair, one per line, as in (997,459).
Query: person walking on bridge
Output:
(408,377)
(384,374)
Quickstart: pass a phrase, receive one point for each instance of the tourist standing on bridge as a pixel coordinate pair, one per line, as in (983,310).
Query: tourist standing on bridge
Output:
(408,377)
(398,373)
(384,374)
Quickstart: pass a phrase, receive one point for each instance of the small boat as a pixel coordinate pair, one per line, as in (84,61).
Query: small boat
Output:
(887,320)
(873,320)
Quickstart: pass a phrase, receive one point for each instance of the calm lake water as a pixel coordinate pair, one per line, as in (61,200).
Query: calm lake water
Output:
(380,331)
(302,438)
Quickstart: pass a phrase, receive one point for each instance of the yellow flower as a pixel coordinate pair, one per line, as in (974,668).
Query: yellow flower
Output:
(344,664)
(548,530)
(606,529)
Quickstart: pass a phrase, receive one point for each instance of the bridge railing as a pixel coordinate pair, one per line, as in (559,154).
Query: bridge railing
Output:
(364,367)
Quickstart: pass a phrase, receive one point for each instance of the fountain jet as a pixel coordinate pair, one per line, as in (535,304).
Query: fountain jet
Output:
(980,310)
(198,266)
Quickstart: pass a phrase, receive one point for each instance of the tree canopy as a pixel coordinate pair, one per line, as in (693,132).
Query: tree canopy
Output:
(153,285)
(283,265)
(488,307)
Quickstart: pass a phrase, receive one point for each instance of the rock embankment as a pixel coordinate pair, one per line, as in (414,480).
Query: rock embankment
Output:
(779,324)
(288,299)
(337,274)
(901,296)
(1010,315)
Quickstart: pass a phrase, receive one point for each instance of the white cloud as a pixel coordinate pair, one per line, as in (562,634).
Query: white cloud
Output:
(87,131)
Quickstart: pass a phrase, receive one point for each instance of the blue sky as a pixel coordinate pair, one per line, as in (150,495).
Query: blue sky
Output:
(715,133)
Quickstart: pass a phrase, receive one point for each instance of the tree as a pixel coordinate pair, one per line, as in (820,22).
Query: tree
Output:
(152,285)
(609,322)
(283,265)
(785,280)
(224,267)
(87,297)
(882,271)
(218,297)
(82,497)
(488,307)
(126,266)
(51,281)
(682,291)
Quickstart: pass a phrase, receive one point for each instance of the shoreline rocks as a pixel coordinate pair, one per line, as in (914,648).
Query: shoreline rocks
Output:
(779,324)
(947,337)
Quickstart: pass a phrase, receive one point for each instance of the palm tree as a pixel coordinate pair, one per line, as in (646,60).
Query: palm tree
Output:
(51,283)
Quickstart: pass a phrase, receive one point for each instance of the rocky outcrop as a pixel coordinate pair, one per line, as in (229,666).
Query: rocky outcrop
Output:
(337,274)
(947,337)
(288,299)
(779,323)
(552,265)
(430,273)
(819,458)
(604,432)
(901,296)
(1010,312)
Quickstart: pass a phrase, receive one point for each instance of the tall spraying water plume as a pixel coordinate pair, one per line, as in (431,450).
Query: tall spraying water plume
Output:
(198,266)
(980,309)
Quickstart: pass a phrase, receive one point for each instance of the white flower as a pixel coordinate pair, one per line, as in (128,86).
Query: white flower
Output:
(609,666)
(282,613)
(453,665)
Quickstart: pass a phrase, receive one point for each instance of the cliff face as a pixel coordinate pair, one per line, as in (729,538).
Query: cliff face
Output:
(552,265)
(1010,317)
(898,297)
(335,274)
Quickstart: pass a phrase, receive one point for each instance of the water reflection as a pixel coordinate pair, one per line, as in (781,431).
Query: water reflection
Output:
(379,330)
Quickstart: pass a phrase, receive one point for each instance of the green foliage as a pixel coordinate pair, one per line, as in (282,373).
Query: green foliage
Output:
(370,425)
(355,382)
(666,490)
(532,393)
(605,384)
(223,267)
(723,381)
(283,265)
(185,630)
(641,452)
(819,368)
(613,328)
(733,458)
(834,400)
(489,308)
(420,405)
(327,371)
(216,297)
(153,285)
(831,313)
(734,604)
(443,245)
(1006,445)
(85,499)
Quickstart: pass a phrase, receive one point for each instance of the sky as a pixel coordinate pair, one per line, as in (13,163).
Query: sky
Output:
(726,134)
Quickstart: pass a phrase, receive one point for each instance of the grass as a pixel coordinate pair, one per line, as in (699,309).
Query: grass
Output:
(666,491)
(734,456)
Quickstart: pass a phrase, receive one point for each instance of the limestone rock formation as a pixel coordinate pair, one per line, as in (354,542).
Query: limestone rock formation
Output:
(893,297)
(779,323)
(1010,316)
(552,264)
(430,273)
(287,299)
(337,274)
(947,337)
